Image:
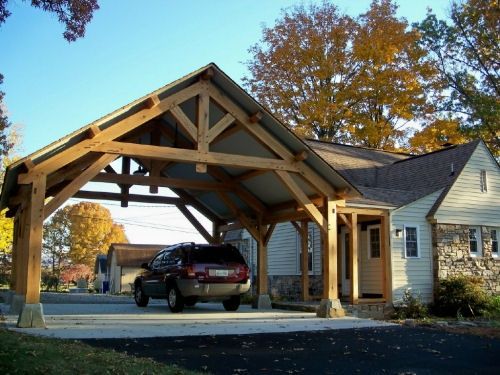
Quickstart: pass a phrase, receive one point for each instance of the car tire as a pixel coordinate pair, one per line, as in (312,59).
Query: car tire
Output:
(140,298)
(175,299)
(232,303)
(190,301)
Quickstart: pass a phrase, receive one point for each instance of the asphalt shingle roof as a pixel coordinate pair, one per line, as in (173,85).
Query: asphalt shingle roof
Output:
(386,178)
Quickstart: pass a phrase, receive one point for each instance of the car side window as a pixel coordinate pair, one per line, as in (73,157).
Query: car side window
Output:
(157,261)
(178,256)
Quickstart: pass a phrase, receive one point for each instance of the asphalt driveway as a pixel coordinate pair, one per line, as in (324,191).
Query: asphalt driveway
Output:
(386,350)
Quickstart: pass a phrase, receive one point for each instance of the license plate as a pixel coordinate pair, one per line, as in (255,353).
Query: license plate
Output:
(221,273)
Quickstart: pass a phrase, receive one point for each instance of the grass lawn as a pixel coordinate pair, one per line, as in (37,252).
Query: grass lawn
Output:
(24,354)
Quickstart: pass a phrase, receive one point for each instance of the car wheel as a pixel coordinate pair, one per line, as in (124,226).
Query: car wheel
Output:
(175,299)
(232,303)
(190,301)
(140,298)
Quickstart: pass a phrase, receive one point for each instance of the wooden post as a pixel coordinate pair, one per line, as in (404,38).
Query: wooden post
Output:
(330,277)
(22,246)
(125,189)
(385,257)
(34,238)
(262,261)
(15,252)
(353,250)
(304,242)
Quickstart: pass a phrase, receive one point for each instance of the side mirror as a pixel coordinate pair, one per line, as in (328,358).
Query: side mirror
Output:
(145,266)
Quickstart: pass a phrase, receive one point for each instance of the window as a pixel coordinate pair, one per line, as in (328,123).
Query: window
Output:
(374,241)
(475,247)
(483,181)
(310,251)
(157,261)
(411,241)
(494,242)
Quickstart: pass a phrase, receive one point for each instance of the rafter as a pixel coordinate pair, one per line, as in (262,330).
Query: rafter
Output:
(244,220)
(322,186)
(303,200)
(195,223)
(106,196)
(219,127)
(77,183)
(113,132)
(161,181)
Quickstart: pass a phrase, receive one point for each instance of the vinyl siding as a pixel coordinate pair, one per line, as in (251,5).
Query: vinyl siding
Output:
(283,250)
(414,273)
(465,203)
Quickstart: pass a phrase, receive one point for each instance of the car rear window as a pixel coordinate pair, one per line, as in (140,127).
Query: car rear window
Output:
(215,254)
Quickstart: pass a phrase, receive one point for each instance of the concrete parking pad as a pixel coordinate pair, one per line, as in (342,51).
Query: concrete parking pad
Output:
(84,321)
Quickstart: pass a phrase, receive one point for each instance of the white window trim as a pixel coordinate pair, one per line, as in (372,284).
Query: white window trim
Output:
(479,241)
(312,233)
(418,240)
(495,255)
(483,181)
(369,242)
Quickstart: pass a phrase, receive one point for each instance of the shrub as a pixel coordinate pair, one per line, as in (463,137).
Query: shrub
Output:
(460,296)
(411,307)
(493,307)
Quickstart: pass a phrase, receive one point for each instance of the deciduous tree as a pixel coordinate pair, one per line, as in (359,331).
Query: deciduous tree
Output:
(57,240)
(336,78)
(433,136)
(466,48)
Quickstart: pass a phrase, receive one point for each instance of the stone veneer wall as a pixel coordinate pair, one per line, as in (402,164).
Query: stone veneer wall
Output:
(451,255)
(289,287)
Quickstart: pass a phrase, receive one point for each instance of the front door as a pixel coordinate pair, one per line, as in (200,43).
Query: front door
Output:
(346,261)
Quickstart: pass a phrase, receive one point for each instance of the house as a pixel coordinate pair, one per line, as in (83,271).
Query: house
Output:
(100,272)
(444,219)
(124,263)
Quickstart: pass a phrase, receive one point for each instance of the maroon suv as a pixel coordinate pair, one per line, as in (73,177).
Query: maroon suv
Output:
(187,273)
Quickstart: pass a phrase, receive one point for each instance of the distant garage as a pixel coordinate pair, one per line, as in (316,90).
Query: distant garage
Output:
(124,262)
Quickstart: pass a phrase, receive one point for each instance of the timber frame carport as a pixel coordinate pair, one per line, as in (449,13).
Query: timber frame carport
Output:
(208,141)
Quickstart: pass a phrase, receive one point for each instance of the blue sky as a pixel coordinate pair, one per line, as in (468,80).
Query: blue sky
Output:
(131,48)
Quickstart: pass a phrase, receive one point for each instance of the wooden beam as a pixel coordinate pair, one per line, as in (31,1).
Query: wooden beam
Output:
(155,165)
(301,156)
(282,217)
(302,199)
(28,164)
(77,183)
(353,251)
(244,220)
(193,156)
(346,221)
(105,196)
(269,233)
(262,284)
(361,211)
(255,118)
(227,227)
(92,131)
(316,181)
(34,238)
(296,226)
(125,188)
(203,118)
(385,255)
(113,132)
(207,75)
(330,275)
(249,175)
(219,127)
(152,101)
(184,122)
(195,223)
(304,253)
(253,202)
(161,181)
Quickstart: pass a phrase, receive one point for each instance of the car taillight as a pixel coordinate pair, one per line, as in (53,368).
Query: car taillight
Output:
(190,272)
